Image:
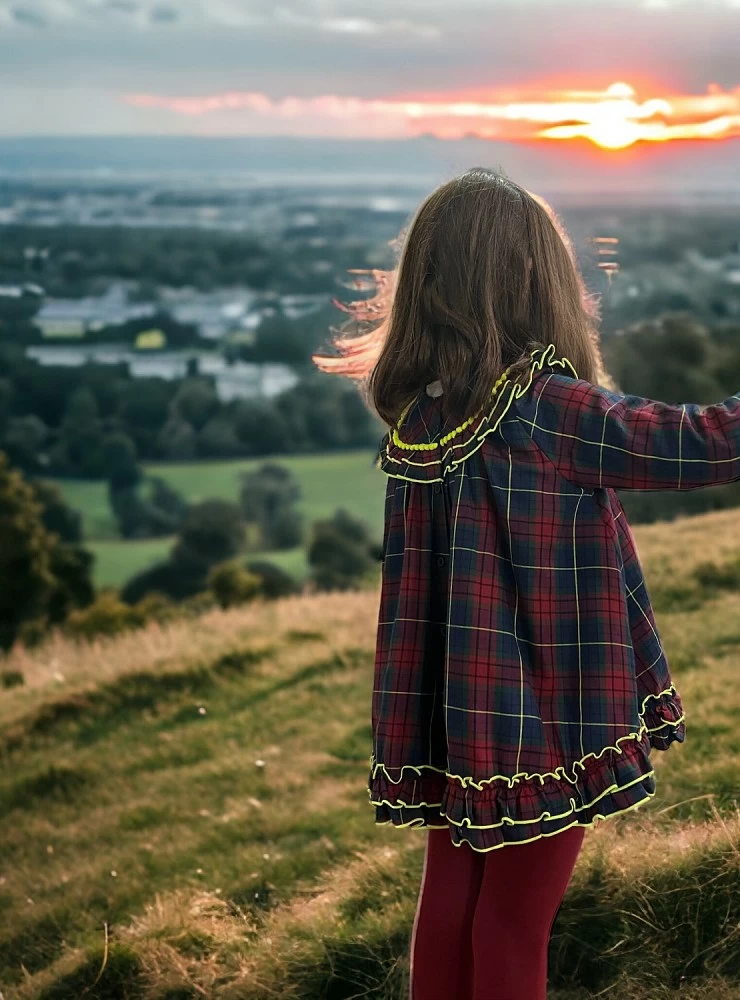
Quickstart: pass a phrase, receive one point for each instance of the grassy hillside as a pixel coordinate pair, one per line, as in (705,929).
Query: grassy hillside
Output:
(340,479)
(184,812)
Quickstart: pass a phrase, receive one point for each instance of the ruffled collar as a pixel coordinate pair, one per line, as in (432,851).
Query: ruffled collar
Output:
(419,449)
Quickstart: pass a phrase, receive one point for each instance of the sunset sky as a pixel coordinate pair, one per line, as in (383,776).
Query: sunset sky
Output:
(387,68)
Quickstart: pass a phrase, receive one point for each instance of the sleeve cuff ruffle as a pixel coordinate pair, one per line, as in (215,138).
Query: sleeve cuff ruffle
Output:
(663,716)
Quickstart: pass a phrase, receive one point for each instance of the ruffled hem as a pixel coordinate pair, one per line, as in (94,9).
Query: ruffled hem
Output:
(502,811)
(425,461)
(497,815)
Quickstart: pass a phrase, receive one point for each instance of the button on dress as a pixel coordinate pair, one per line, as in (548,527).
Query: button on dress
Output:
(520,682)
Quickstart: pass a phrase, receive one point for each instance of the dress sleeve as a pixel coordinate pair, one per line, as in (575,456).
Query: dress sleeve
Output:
(598,438)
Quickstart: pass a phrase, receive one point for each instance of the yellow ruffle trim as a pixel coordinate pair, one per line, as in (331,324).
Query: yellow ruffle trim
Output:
(431,445)
(507,821)
(558,773)
(421,825)
(504,389)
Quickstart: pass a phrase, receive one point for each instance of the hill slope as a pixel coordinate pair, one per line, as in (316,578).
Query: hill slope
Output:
(184,812)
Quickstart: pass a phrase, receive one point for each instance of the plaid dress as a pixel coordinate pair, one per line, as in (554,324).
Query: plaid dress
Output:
(520,682)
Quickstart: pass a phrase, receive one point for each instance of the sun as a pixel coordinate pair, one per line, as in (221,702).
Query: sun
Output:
(614,134)
(608,132)
(614,122)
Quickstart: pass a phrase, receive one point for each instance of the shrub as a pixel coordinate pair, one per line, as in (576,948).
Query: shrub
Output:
(274,581)
(154,607)
(713,577)
(286,530)
(179,577)
(341,553)
(231,584)
(212,531)
(72,568)
(109,615)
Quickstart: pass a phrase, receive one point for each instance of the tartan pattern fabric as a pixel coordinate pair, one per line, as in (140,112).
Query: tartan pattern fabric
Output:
(520,682)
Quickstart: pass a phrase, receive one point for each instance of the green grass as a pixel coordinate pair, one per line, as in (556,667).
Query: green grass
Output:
(328,481)
(117,560)
(185,815)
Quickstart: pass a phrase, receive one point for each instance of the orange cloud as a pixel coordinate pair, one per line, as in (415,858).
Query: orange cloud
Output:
(614,118)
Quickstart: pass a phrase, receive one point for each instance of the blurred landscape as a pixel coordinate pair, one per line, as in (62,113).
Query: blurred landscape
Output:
(190,585)
(160,300)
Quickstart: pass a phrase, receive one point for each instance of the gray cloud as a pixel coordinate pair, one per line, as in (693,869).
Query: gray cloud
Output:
(27,16)
(162,14)
(422,18)
(122,6)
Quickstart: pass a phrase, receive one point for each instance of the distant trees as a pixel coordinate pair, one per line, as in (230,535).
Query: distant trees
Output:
(79,258)
(96,422)
(341,553)
(281,340)
(674,358)
(212,532)
(18,306)
(208,554)
(152,509)
(269,500)
(144,507)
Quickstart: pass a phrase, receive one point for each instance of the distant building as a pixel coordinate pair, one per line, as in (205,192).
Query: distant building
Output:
(233,380)
(150,340)
(18,291)
(216,314)
(76,317)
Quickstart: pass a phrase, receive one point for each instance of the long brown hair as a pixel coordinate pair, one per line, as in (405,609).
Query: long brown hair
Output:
(486,275)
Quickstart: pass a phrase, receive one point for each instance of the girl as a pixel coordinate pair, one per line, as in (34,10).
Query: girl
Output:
(520,682)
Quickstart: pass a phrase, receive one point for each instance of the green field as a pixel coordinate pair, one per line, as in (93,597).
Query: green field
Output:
(118,560)
(185,811)
(328,481)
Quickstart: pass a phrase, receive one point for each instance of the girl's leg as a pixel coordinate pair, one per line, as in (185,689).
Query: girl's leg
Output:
(441,953)
(522,888)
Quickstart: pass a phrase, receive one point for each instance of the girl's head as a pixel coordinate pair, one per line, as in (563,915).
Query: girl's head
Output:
(486,275)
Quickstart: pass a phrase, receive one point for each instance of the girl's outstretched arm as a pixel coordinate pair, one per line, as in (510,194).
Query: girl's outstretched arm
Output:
(598,438)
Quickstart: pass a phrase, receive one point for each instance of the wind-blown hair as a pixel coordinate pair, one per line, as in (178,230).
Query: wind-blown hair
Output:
(486,275)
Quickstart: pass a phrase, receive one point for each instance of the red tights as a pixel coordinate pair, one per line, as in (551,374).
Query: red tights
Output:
(483,920)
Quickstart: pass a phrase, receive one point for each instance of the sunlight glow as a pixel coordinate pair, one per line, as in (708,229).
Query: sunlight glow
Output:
(613,119)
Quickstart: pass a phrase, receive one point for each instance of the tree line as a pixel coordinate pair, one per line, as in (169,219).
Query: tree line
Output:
(84,421)
(75,261)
